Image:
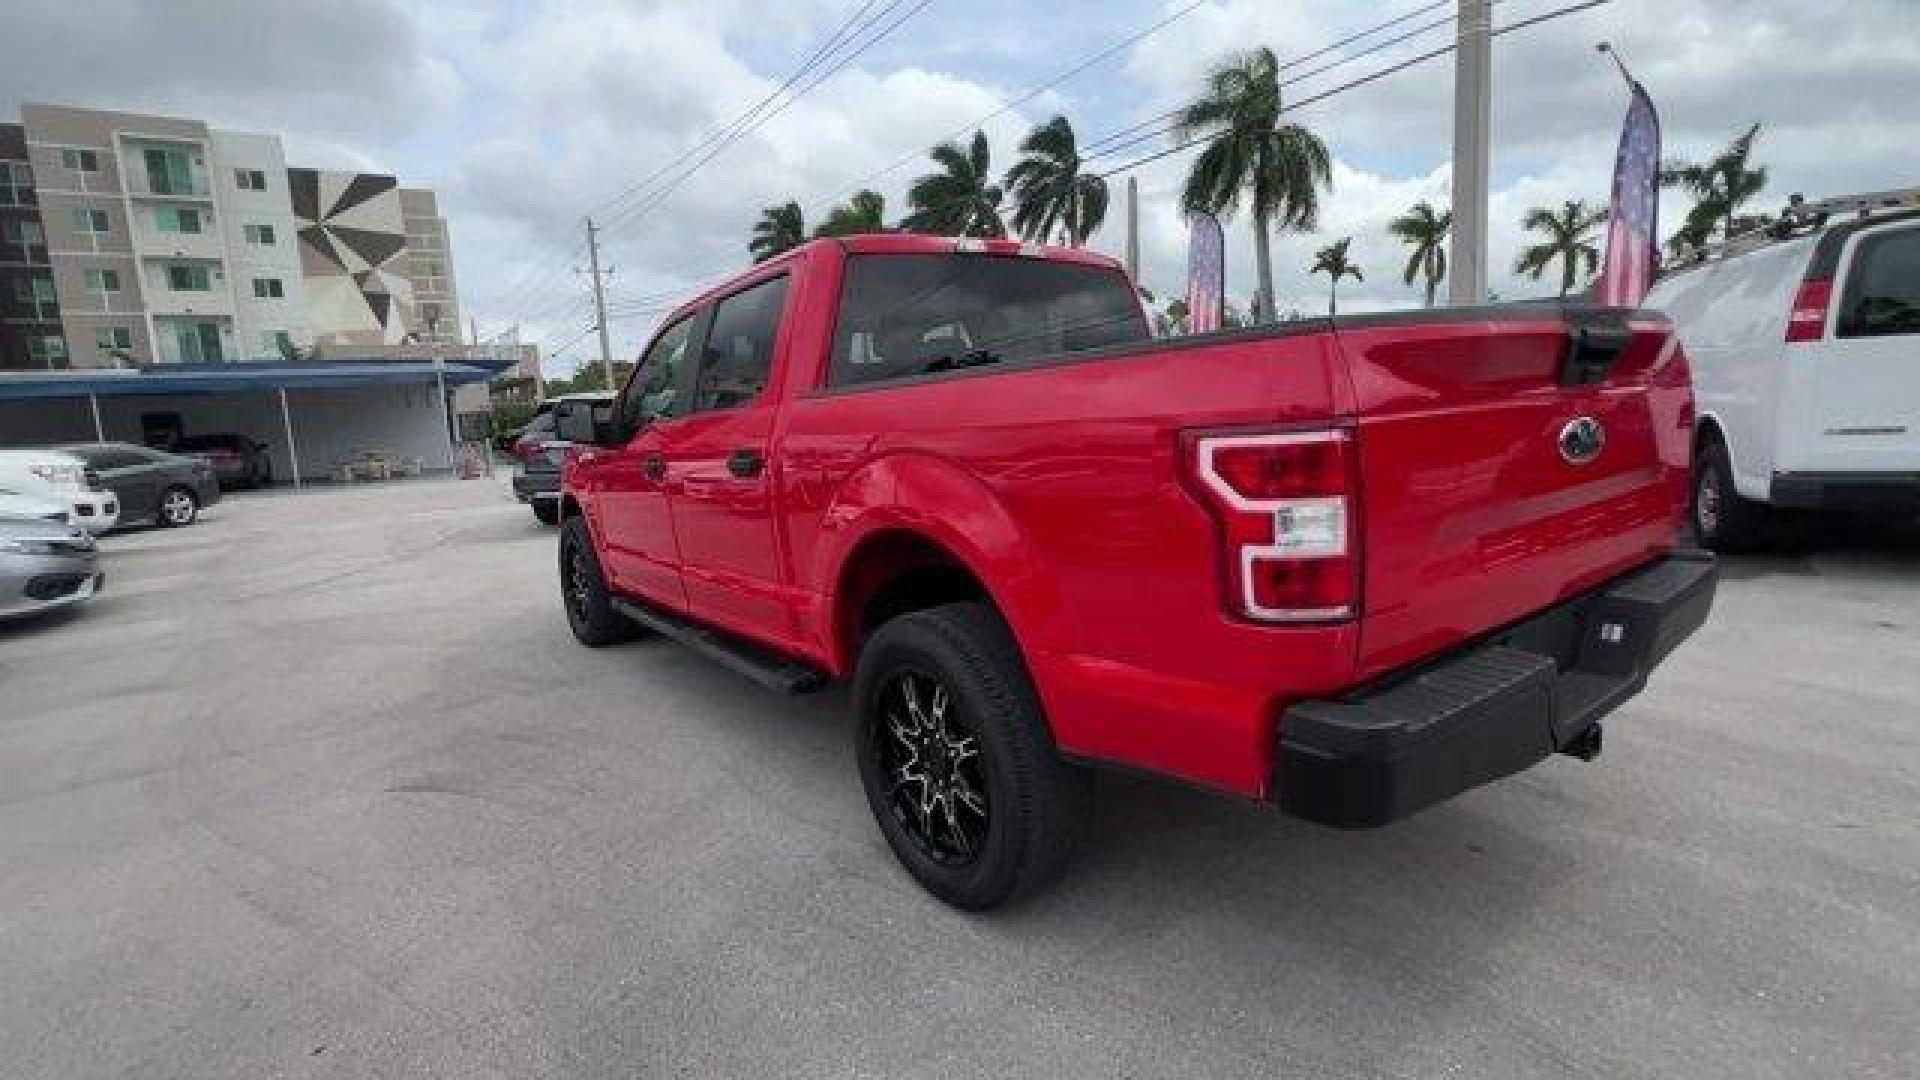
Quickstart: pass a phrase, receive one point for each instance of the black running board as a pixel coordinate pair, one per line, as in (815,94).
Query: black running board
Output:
(764,666)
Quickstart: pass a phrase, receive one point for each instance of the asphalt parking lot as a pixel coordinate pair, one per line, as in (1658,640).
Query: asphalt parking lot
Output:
(322,787)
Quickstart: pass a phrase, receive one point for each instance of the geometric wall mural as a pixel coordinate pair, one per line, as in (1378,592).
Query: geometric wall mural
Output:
(352,236)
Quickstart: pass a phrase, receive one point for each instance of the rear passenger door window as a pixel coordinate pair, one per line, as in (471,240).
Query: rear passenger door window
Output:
(1883,287)
(738,357)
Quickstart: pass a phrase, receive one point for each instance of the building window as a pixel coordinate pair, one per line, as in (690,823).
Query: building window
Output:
(111,338)
(279,343)
(48,350)
(179,219)
(260,234)
(250,179)
(103,281)
(90,220)
(36,292)
(24,233)
(268,288)
(79,160)
(16,183)
(169,172)
(182,278)
(197,343)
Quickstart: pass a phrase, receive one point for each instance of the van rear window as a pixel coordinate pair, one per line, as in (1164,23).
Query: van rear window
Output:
(905,315)
(1883,291)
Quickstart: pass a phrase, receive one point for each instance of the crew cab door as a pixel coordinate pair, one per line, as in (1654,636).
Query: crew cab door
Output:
(636,523)
(1865,393)
(719,469)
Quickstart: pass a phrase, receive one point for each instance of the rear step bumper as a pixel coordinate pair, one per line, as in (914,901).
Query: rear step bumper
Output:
(1493,708)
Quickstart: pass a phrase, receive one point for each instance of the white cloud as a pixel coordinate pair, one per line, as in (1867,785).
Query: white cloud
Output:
(526,115)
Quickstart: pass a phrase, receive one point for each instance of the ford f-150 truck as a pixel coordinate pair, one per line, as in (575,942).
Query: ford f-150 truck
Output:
(1348,567)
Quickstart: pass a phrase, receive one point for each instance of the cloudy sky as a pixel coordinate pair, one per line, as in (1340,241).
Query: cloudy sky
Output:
(528,114)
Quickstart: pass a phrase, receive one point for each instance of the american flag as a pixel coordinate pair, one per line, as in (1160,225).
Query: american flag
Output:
(1206,274)
(1633,221)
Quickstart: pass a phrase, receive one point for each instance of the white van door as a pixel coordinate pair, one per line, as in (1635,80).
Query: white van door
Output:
(1866,394)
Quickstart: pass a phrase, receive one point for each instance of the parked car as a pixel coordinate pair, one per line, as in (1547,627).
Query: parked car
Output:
(45,564)
(61,477)
(1805,343)
(538,453)
(238,461)
(1349,568)
(152,485)
(14,504)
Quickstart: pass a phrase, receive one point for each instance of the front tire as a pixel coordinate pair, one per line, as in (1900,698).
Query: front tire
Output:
(959,766)
(584,592)
(178,506)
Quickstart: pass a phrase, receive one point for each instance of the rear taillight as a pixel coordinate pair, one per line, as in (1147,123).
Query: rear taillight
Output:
(1807,320)
(1283,500)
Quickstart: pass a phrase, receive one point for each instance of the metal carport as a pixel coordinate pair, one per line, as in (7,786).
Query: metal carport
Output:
(341,393)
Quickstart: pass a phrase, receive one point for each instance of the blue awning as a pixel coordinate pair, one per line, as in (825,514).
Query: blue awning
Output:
(240,378)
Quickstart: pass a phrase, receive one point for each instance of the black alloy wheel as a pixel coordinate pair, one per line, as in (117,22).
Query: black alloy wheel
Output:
(930,759)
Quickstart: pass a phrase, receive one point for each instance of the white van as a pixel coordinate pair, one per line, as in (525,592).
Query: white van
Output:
(1805,347)
(61,478)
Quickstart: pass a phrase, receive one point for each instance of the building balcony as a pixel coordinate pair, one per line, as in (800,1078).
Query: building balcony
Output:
(151,241)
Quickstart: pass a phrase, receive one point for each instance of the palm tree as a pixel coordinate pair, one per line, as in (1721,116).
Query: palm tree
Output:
(1332,261)
(780,228)
(864,213)
(1569,238)
(1719,185)
(1426,232)
(960,199)
(1049,189)
(1281,168)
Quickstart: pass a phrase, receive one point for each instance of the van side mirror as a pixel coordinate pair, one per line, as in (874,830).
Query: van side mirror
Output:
(586,422)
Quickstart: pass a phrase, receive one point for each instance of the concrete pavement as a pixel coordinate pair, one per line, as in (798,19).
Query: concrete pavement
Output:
(323,787)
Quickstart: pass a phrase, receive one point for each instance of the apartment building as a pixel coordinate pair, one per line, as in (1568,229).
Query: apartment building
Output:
(166,242)
(30,334)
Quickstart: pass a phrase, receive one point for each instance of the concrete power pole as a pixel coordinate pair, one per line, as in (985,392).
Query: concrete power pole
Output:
(599,302)
(1133,230)
(1472,120)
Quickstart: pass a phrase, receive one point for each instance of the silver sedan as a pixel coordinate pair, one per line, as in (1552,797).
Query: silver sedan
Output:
(45,564)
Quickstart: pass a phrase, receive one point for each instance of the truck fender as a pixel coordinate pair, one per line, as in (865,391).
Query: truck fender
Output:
(945,504)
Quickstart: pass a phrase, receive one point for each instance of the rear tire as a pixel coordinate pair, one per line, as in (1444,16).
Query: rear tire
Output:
(547,510)
(1722,520)
(959,766)
(178,506)
(584,593)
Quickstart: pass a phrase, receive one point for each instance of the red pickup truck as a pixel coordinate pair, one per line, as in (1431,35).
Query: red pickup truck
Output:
(1349,567)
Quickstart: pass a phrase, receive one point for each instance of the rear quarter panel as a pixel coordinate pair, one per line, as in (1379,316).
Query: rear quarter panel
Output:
(1061,486)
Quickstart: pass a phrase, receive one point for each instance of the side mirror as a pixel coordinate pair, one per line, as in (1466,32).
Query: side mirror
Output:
(586,422)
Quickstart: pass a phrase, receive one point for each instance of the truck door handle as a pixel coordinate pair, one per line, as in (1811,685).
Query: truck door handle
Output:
(653,467)
(745,462)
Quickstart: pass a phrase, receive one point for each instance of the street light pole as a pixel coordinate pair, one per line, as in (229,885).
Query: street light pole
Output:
(1472,120)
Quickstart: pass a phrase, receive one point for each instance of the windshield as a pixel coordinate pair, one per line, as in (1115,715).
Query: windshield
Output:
(903,315)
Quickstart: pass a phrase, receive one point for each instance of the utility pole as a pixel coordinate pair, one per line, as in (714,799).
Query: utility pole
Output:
(1133,230)
(599,302)
(1472,120)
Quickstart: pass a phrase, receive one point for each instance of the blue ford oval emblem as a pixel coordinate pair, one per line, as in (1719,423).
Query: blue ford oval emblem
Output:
(1582,439)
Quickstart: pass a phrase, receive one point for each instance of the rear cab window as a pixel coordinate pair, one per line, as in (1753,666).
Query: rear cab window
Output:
(903,315)
(1882,294)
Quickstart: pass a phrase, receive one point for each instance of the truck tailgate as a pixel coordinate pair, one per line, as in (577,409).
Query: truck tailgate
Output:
(1483,497)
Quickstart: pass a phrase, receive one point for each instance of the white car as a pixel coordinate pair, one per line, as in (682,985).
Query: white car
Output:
(58,477)
(1805,348)
(14,504)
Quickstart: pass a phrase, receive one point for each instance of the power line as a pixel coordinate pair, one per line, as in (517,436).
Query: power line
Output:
(525,282)
(659,196)
(1168,122)
(1363,80)
(1292,63)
